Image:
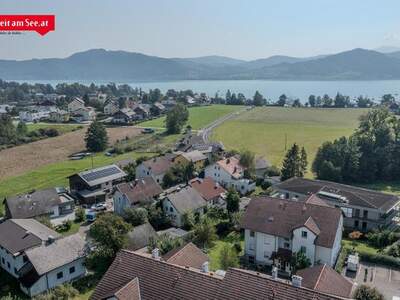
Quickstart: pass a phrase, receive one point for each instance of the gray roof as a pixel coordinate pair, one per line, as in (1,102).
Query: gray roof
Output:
(354,195)
(194,156)
(186,199)
(174,232)
(140,236)
(103,174)
(17,235)
(57,254)
(261,163)
(33,204)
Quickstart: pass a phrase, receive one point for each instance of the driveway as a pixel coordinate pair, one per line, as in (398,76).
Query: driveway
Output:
(385,279)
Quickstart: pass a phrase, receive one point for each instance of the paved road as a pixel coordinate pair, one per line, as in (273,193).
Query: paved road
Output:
(206,131)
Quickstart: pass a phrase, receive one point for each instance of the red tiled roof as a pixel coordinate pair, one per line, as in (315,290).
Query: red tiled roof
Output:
(162,280)
(130,291)
(232,166)
(140,191)
(207,188)
(280,217)
(186,256)
(324,279)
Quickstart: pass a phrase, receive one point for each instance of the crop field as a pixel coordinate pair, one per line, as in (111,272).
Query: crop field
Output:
(198,116)
(24,158)
(269,131)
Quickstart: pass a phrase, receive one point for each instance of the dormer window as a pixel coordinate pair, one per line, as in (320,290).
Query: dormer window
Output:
(304,234)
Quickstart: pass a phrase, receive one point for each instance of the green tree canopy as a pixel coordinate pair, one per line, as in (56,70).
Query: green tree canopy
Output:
(176,118)
(294,163)
(232,201)
(96,137)
(364,292)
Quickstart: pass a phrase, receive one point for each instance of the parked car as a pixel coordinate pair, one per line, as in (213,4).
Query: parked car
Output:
(99,207)
(148,130)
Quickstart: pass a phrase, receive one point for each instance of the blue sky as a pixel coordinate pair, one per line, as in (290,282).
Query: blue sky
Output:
(244,29)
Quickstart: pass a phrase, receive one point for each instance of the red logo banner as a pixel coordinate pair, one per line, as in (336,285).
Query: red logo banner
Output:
(42,24)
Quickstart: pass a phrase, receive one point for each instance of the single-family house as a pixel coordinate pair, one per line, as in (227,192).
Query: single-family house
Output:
(59,116)
(75,104)
(261,167)
(111,108)
(210,190)
(124,116)
(157,109)
(230,174)
(155,167)
(195,157)
(275,229)
(140,237)
(84,114)
(136,276)
(363,209)
(168,103)
(324,279)
(132,194)
(52,202)
(179,200)
(187,255)
(94,185)
(16,237)
(52,264)
(33,116)
(142,111)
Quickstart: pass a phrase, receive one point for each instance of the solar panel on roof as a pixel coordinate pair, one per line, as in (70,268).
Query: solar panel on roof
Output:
(100,173)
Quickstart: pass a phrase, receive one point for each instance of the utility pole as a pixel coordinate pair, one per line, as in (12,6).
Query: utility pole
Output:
(285,141)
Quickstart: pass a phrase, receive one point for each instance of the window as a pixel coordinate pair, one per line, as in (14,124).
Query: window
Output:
(8,265)
(251,233)
(15,271)
(365,214)
(364,225)
(251,259)
(356,223)
(71,270)
(24,258)
(267,254)
(2,260)
(304,234)
(348,212)
(171,209)
(251,246)
(60,275)
(286,245)
(303,249)
(357,214)
(287,195)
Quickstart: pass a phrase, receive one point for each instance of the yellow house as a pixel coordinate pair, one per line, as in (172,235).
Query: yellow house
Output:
(196,157)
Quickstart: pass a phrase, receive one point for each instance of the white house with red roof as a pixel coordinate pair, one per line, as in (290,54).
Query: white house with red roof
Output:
(230,173)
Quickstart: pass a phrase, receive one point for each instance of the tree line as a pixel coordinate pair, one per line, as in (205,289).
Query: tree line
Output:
(371,153)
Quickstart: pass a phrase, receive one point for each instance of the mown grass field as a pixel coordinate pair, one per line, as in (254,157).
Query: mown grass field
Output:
(198,116)
(56,174)
(265,131)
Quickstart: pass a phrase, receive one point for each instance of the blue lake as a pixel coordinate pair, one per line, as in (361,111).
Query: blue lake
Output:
(270,89)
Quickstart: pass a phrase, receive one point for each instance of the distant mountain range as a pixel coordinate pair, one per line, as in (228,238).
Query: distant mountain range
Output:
(99,64)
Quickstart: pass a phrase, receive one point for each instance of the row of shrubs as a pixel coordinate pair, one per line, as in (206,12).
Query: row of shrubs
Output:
(382,259)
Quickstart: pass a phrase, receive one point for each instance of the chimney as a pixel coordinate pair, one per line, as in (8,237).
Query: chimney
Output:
(296,280)
(204,267)
(155,254)
(274,273)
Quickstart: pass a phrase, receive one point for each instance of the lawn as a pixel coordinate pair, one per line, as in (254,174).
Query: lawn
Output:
(198,116)
(56,174)
(61,128)
(269,131)
(361,246)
